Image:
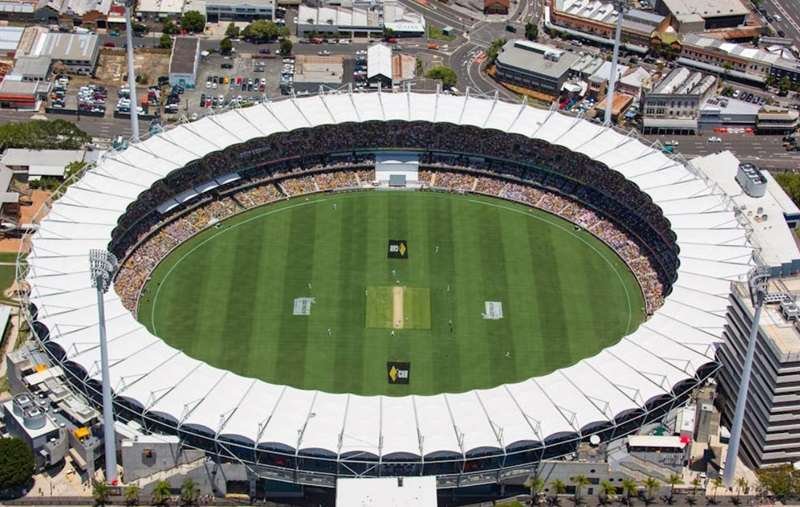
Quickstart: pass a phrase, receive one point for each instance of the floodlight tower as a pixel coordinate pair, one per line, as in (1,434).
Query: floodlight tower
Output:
(621,6)
(757,283)
(102,265)
(131,76)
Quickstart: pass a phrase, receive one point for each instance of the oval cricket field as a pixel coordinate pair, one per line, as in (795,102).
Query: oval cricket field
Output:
(392,293)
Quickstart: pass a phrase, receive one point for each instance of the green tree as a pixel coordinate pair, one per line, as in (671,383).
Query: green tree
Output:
(696,483)
(608,492)
(225,46)
(650,485)
(73,168)
(557,487)
(790,182)
(784,85)
(193,21)
(16,463)
(630,488)
(494,49)
(741,485)
(716,483)
(100,492)
(161,493)
(262,30)
(42,134)
(286,47)
(536,486)
(189,492)
(580,481)
(169,27)
(131,494)
(139,29)
(443,73)
(531,31)
(165,42)
(232,31)
(782,480)
(673,480)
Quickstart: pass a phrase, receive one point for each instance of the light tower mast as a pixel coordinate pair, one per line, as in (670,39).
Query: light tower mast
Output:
(102,265)
(131,75)
(621,6)
(757,282)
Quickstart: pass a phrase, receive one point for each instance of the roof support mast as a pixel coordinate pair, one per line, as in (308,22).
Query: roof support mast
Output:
(621,6)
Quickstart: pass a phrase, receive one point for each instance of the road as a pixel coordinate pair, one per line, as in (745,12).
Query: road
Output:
(765,151)
(106,128)
(790,17)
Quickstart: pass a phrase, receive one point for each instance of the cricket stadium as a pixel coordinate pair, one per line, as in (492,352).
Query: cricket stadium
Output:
(389,284)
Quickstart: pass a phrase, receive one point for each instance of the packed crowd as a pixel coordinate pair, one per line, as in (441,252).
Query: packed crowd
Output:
(521,156)
(164,236)
(530,162)
(626,247)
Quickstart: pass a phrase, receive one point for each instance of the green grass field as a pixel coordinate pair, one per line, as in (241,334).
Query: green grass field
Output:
(226,296)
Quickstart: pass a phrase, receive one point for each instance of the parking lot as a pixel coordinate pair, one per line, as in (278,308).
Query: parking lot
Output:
(223,81)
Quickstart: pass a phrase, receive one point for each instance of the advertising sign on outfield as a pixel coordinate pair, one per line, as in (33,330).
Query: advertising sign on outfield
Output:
(398,373)
(398,249)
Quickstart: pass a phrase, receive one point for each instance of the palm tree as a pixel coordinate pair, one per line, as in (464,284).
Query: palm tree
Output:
(674,480)
(650,485)
(536,485)
(559,488)
(609,492)
(742,485)
(696,482)
(631,488)
(579,481)
(715,485)
(100,492)
(132,494)
(161,493)
(189,492)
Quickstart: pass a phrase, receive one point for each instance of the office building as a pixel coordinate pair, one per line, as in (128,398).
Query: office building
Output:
(771,430)
(534,66)
(596,21)
(672,107)
(239,10)
(738,61)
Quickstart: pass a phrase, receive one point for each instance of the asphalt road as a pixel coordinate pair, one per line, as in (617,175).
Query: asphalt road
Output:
(765,151)
(790,17)
(106,128)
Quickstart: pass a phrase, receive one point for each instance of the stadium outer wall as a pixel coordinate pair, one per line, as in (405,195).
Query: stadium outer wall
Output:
(470,468)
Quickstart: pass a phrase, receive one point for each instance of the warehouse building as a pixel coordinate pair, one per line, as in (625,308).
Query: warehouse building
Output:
(184,61)
(691,16)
